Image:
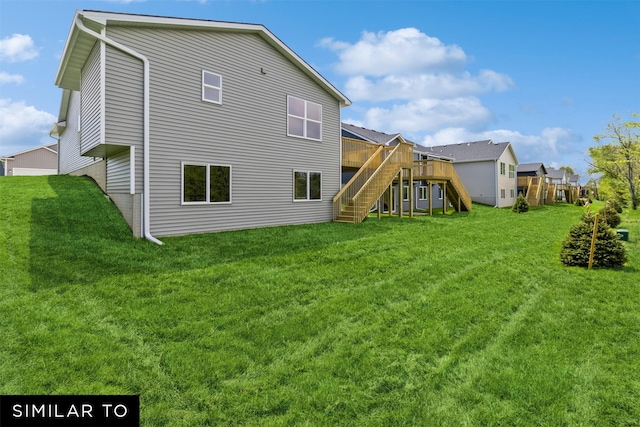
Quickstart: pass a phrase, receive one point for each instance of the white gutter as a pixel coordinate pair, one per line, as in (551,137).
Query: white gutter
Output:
(145,62)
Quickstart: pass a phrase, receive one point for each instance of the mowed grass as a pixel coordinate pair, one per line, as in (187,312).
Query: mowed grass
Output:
(451,320)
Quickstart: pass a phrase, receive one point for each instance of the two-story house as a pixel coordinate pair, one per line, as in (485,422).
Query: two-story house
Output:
(195,126)
(487,170)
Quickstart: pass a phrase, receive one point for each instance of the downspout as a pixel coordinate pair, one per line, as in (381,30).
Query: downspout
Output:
(145,157)
(497,178)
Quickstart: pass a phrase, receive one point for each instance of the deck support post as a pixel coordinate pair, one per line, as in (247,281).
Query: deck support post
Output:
(444,200)
(411,195)
(430,185)
(400,194)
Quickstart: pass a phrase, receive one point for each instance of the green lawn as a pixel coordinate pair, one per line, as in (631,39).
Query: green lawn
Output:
(450,320)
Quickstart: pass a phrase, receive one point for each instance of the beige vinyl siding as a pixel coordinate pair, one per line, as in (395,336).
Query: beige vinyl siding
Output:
(247,131)
(504,182)
(35,162)
(69,146)
(91,109)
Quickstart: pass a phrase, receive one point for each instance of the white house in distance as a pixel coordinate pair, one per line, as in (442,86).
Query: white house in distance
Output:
(42,160)
(487,170)
(195,126)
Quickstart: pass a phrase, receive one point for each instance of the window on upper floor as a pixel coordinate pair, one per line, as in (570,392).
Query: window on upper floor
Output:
(211,87)
(502,168)
(307,185)
(206,183)
(304,119)
(512,171)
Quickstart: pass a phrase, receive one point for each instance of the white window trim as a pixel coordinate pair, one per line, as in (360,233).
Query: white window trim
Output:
(405,199)
(426,192)
(204,85)
(293,186)
(207,202)
(305,119)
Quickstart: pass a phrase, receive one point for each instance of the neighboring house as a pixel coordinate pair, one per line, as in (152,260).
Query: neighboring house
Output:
(558,184)
(487,169)
(195,126)
(41,160)
(531,182)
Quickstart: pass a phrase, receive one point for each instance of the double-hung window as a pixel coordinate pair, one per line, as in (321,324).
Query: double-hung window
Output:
(502,168)
(211,87)
(512,171)
(206,183)
(423,193)
(304,118)
(307,185)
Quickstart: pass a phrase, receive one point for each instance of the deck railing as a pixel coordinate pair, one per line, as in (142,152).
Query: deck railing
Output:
(441,170)
(355,152)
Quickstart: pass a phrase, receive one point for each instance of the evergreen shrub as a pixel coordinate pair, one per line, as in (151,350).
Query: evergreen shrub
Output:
(610,216)
(520,205)
(576,248)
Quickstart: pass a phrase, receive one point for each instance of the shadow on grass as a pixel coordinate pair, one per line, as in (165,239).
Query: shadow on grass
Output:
(79,237)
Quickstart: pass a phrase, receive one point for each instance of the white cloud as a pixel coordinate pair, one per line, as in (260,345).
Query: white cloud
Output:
(427,114)
(10,78)
(403,51)
(552,144)
(17,48)
(23,125)
(425,86)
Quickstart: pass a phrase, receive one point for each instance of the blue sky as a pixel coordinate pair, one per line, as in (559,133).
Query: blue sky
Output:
(544,75)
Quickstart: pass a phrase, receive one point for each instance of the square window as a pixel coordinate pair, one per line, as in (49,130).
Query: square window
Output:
(304,118)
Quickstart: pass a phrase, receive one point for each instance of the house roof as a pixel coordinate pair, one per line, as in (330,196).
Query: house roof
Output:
(556,173)
(472,151)
(531,167)
(79,43)
(51,147)
(370,134)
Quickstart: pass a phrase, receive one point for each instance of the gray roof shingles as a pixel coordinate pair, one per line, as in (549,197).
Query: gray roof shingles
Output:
(469,151)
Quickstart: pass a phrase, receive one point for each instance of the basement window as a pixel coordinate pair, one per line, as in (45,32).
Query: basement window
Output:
(206,183)
(307,185)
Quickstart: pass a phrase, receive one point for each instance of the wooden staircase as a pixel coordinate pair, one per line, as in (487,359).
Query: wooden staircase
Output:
(384,166)
(534,189)
(353,202)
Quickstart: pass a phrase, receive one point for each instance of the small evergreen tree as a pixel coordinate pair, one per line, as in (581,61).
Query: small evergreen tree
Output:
(610,215)
(576,248)
(520,205)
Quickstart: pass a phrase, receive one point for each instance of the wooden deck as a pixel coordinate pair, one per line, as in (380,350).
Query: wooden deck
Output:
(379,167)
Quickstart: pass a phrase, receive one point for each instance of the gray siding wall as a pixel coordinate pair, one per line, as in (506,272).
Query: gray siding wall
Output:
(479,178)
(248,131)
(91,109)
(69,147)
(124,93)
